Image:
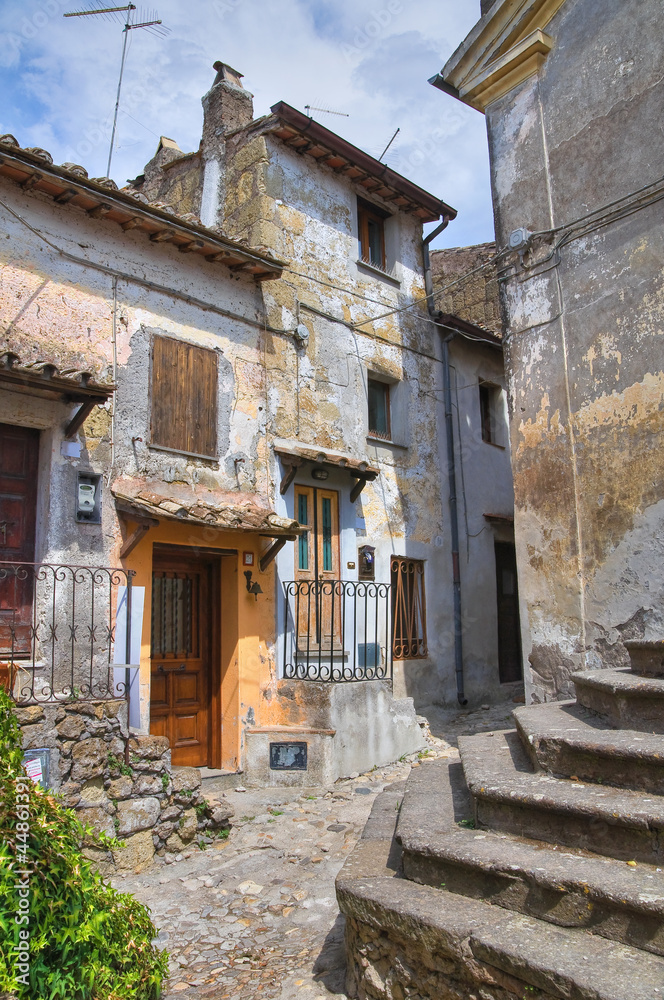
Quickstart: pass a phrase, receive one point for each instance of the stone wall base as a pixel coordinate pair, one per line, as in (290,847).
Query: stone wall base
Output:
(121,784)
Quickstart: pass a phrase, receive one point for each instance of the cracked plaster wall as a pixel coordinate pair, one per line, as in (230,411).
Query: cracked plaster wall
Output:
(584,339)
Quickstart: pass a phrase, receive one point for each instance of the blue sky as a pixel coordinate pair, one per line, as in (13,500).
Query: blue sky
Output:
(367,58)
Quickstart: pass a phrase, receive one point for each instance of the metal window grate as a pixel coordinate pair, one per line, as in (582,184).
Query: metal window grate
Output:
(409,628)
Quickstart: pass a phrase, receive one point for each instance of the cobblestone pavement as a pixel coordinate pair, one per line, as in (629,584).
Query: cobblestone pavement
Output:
(256,914)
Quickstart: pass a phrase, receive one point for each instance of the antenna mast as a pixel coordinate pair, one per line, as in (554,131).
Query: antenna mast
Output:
(151,22)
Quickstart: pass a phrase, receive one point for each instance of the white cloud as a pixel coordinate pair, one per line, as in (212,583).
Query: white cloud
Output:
(367,58)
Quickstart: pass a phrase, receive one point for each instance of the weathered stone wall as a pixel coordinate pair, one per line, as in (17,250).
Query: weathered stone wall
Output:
(476,300)
(384,964)
(585,314)
(143,801)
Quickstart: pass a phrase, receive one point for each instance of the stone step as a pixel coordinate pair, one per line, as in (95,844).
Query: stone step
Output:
(566,739)
(405,938)
(626,699)
(562,887)
(509,796)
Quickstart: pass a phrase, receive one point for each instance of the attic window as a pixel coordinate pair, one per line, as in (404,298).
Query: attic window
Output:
(184,398)
(371,234)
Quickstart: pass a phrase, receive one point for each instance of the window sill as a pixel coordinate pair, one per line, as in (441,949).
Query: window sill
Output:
(378,273)
(185,454)
(494,444)
(387,442)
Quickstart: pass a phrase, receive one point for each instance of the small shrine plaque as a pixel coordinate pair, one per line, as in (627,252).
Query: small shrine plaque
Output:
(288,756)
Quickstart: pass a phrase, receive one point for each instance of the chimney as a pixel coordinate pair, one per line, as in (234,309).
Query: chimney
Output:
(226,106)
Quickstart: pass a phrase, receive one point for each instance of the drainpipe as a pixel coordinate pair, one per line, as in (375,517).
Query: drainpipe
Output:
(451,467)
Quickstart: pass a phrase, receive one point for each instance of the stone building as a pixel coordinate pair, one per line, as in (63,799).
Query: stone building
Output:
(572,94)
(231,405)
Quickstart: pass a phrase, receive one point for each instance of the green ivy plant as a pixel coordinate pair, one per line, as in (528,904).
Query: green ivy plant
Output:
(86,941)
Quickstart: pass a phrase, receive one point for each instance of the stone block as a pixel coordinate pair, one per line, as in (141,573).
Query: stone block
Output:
(137,854)
(188,825)
(148,747)
(93,794)
(72,727)
(146,784)
(89,759)
(164,830)
(120,788)
(99,819)
(137,814)
(174,844)
(220,815)
(29,715)
(185,779)
(170,812)
(102,861)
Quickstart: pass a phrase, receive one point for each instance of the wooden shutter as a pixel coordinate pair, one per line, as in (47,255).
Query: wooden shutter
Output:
(184,397)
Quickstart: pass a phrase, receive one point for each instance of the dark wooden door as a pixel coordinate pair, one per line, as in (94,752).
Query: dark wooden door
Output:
(510,666)
(181,675)
(19,455)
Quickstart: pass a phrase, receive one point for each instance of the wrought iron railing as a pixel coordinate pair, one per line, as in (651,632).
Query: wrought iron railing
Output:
(337,630)
(58,630)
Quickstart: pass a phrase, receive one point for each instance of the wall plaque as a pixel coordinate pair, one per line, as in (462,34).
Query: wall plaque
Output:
(288,756)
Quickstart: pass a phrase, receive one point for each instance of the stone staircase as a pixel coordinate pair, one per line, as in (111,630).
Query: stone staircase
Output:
(534,868)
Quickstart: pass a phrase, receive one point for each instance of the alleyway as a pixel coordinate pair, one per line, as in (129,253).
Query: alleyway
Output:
(256,914)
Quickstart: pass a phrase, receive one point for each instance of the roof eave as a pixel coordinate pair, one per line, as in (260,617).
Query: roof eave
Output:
(132,213)
(426,206)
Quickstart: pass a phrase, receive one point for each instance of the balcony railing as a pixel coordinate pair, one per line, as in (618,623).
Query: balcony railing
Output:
(337,630)
(58,629)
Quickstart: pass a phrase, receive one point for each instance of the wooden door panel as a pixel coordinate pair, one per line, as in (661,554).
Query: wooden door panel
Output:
(19,456)
(181,656)
(186,689)
(317,563)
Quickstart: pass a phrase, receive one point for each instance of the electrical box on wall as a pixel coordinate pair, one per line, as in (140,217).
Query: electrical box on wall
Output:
(88,497)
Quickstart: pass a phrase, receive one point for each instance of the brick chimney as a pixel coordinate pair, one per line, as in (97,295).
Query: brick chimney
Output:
(226,106)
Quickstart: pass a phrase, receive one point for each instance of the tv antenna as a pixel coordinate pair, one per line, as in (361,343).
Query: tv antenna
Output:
(150,22)
(388,145)
(326,111)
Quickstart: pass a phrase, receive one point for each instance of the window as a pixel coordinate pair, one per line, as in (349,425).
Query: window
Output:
(490,412)
(371,233)
(379,409)
(409,625)
(184,398)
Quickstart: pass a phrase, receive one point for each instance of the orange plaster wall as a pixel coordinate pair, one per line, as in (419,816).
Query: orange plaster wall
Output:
(247,627)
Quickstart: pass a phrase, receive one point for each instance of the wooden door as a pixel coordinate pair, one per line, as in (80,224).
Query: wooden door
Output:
(509,630)
(181,665)
(317,561)
(19,455)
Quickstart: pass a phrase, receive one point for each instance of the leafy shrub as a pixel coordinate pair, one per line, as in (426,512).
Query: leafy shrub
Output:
(85,941)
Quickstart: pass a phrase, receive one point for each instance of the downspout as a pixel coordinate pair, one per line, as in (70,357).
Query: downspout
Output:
(451,467)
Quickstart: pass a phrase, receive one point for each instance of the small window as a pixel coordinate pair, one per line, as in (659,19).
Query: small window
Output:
(371,233)
(409,625)
(490,412)
(379,409)
(184,398)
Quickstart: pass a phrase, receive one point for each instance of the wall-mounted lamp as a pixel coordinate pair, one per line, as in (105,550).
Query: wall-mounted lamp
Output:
(252,588)
(318,472)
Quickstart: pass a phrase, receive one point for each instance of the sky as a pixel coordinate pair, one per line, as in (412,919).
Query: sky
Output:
(368,59)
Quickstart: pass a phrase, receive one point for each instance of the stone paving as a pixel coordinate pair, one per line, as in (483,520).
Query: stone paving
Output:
(256,914)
